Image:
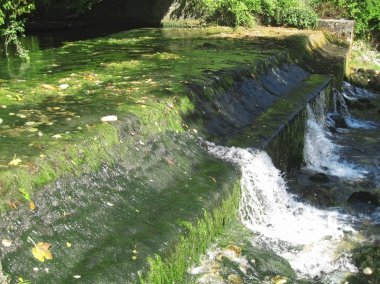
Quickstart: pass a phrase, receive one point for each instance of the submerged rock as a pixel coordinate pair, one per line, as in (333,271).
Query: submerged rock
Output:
(367,271)
(364,197)
(109,118)
(339,121)
(319,177)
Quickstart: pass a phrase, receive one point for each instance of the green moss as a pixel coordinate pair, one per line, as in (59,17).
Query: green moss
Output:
(172,268)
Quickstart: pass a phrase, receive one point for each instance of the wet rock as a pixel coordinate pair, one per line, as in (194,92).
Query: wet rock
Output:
(364,101)
(235,279)
(319,177)
(364,197)
(320,196)
(367,271)
(339,121)
(109,118)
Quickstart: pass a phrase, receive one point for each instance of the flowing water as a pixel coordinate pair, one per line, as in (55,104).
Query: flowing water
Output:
(313,240)
(103,224)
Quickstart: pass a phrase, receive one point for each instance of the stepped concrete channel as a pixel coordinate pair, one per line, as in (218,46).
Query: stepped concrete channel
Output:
(157,202)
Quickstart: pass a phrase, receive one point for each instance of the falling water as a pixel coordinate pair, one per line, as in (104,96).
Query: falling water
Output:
(320,152)
(341,108)
(307,237)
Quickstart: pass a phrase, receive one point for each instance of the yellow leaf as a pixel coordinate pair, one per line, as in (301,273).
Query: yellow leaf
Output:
(41,251)
(32,205)
(69,245)
(15,161)
(48,87)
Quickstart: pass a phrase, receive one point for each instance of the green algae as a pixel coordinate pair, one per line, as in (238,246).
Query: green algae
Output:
(276,118)
(142,72)
(199,236)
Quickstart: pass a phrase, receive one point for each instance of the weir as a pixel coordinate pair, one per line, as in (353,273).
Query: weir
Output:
(157,202)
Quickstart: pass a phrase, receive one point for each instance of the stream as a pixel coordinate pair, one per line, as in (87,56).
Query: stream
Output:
(318,224)
(314,236)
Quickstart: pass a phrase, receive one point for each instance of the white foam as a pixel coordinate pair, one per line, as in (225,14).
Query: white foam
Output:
(307,237)
(360,124)
(320,152)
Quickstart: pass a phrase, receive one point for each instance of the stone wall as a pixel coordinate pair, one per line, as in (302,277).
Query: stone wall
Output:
(342,29)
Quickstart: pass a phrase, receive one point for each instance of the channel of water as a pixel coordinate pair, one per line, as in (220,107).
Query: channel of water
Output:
(316,239)
(103,225)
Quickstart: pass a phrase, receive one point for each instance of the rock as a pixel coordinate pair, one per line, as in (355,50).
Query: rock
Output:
(235,279)
(320,196)
(319,177)
(63,86)
(364,101)
(364,197)
(109,118)
(6,243)
(367,271)
(339,121)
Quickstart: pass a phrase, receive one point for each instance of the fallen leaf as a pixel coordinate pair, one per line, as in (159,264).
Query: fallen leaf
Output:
(12,204)
(212,178)
(279,280)
(235,249)
(57,136)
(48,87)
(170,162)
(134,257)
(69,245)
(6,243)
(15,161)
(41,251)
(77,276)
(32,205)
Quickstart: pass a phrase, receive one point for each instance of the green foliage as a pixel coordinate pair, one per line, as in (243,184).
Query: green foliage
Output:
(198,237)
(292,13)
(69,7)
(12,16)
(366,13)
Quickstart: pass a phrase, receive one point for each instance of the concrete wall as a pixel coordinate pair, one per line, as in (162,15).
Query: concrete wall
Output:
(342,29)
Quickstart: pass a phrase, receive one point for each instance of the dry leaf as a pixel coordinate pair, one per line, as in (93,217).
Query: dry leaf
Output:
(32,205)
(6,243)
(169,161)
(12,204)
(212,178)
(41,251)
(15,161)
(48,87)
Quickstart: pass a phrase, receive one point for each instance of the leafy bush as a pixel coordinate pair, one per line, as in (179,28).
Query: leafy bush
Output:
(12,16)
(232,13)
(366,13)
(298,17)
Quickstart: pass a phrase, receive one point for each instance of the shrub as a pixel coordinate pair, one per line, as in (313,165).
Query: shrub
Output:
(298,17)
(366,13)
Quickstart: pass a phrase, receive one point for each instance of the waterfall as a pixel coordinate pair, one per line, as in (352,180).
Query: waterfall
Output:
(320,152)
(351,94)
(306,236)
